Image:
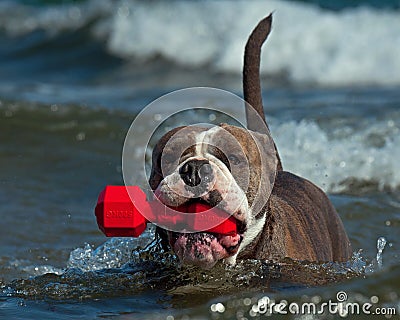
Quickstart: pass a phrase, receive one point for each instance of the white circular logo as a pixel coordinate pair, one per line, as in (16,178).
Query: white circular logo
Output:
(341,296)
(196,112)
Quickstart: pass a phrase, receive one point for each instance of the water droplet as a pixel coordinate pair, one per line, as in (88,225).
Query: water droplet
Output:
(220,307)
(22,303)
(246,301)
(380,245)
(80,136)
(217,307)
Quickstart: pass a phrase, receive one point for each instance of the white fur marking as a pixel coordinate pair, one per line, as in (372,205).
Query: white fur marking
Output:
(253,231)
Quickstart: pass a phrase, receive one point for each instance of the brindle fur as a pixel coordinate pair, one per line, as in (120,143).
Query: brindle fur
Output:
(300,221)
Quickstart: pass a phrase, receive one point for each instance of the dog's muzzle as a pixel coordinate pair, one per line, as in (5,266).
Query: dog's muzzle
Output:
(200,179)
(203,249)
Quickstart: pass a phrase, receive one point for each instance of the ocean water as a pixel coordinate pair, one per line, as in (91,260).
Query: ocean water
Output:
(75,74)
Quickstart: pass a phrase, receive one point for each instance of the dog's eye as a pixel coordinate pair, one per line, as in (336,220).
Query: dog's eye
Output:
(233,159)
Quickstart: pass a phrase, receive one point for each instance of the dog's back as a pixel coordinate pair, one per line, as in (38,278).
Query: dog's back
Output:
(301,224)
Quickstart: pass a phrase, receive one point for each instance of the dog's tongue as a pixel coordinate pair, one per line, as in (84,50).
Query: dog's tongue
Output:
(204,249)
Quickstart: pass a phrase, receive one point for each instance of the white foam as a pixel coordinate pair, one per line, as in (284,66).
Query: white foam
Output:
(19,19)
(112,254)
(353,46)
(370,154)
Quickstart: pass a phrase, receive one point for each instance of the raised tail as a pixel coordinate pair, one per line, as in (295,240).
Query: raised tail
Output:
(251,77)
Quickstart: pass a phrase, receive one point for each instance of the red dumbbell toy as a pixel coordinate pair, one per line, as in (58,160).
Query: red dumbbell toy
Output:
(120,216)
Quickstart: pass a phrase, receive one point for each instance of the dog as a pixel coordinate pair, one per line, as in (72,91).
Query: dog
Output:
(278,214)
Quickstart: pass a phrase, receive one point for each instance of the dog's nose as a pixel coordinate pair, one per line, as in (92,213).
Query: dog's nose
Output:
(195,171)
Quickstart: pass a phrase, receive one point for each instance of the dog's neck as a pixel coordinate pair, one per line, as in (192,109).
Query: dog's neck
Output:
(260,243)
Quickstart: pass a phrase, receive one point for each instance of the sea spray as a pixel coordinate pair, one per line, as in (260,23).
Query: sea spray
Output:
(112,254)
(377,263)
(380,245)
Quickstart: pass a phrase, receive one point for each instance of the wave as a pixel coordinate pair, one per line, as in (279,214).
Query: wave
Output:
(345,160)
(354,46)
(353,154)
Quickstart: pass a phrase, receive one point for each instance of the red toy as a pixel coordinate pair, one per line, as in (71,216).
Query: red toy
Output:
(119,216)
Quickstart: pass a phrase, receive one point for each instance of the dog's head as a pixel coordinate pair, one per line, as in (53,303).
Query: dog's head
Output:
(224,166)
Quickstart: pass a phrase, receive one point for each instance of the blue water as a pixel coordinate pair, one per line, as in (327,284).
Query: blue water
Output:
(73,76)
(110,52)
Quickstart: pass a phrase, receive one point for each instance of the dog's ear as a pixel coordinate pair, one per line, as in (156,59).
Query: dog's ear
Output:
(155,174)
(260,150)
(269,164)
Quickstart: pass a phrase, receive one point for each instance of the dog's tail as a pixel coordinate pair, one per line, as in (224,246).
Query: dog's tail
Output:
(251,76)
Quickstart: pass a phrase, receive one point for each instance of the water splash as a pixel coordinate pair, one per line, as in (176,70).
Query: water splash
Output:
(121,267)
(380,245)
(355,266)
(160,271)
(377,263)
(112,254)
